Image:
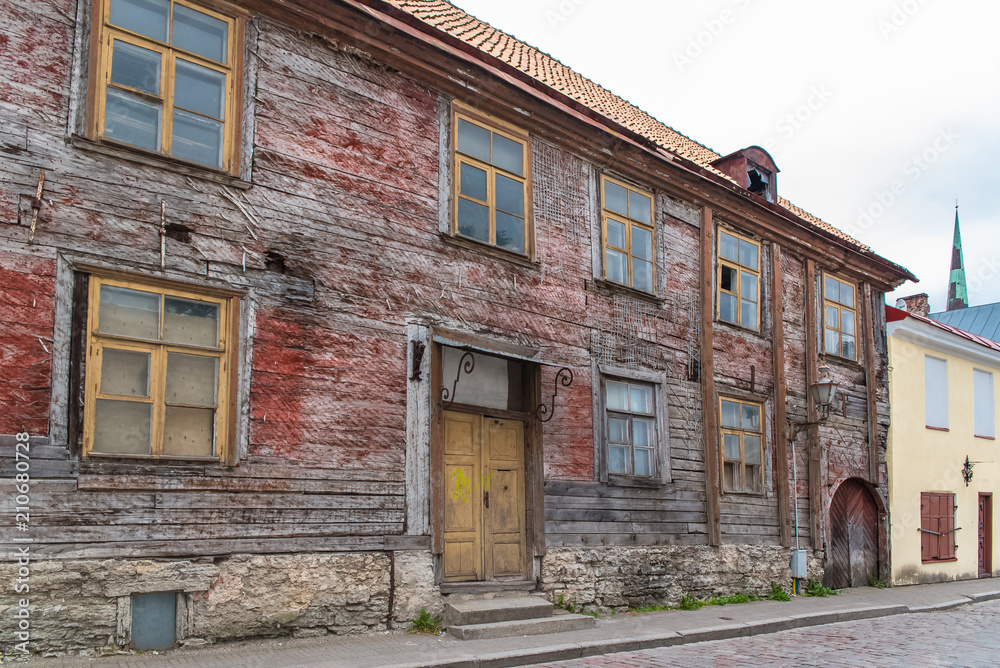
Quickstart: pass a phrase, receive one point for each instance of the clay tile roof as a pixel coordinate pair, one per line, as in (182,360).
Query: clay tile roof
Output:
(451,20)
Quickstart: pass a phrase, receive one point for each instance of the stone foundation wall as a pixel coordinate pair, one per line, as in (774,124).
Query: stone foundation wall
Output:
(84,607)
(600,579)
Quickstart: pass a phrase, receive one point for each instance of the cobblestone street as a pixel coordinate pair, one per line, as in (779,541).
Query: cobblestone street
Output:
(965,636)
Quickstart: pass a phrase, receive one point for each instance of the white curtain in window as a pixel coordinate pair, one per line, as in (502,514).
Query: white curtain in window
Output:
(982,386)
(936,392)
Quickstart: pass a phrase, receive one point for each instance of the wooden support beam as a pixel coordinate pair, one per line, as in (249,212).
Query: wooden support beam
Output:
(812,436)
(870,383)
(437,452)
(708,380)
(780,418)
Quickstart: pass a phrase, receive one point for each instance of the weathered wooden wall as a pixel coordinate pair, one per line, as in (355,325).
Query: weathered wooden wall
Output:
(346,189)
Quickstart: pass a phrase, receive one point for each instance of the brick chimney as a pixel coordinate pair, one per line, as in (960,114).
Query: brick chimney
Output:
(917,304)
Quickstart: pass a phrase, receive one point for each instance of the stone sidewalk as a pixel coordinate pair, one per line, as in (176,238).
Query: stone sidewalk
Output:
(617,633)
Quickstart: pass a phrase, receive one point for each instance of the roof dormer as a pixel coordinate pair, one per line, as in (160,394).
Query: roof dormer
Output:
(754,169)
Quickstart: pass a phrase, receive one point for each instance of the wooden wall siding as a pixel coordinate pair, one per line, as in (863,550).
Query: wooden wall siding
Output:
(346,188)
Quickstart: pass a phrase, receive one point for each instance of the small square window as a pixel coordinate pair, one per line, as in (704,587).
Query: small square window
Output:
(154,620)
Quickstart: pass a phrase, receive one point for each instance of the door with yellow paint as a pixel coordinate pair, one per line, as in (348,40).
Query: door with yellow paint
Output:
(484,533)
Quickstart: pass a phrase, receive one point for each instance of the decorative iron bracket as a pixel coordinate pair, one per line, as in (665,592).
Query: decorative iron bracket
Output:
(565,377)
(466,364)
(967,470)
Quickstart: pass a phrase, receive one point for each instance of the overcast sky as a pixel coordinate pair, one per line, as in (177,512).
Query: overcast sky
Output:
(879,113)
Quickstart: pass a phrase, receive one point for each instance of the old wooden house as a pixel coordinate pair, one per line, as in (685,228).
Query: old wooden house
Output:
(317,312)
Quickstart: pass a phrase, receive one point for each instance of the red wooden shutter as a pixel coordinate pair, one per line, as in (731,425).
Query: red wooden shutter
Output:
(926,524)
(948,526)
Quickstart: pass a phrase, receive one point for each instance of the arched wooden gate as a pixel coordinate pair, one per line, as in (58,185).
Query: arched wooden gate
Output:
(853,556)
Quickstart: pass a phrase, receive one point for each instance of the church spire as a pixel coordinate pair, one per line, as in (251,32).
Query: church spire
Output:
(958,293)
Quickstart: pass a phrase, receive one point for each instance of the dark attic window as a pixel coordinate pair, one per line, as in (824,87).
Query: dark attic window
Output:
(759,182)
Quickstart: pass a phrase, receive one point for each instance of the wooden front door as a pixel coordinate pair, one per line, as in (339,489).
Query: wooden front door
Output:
(985,535)
(484,521)
(853,553)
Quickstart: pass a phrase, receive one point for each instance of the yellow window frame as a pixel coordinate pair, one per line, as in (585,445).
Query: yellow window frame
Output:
(740,269)
(507,131)
(842,311)
(105,34)
(629,223)
(225,352)
(741,462)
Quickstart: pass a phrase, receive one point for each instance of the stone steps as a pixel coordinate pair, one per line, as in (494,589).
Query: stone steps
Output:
(484,618)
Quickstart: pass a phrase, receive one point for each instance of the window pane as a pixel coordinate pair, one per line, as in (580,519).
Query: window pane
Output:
(731,472)
(642,433)
(122,427)
(832,317)
(617,395)
(643,462)
(508,155)
(751,417)
(132,120)
(618,430)
(510,232)
(642,275)
(616,233)
(847,295)
(129,313)
(615,198)
(192,322)
(200,89)
(642,243)
(728,279)
(146,17)
(618,460)
(197,139)
(639,207)
(192,379)
(124,372)
(640,399)
(832,342)
(473,181)
(730,414)
(751,449)
(136,67)
(748,286)
(748,314)
(473,220)
(727,308)
(748,254)
(200,33)
(510,196)
(731,445)
(189,432)
(473,140)
(617,267)
(831,289)
(729,247)
(935,392)
(753,479)
(848,348)
(847,326)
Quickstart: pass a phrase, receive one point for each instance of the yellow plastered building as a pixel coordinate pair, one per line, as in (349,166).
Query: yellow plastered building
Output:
(942,385)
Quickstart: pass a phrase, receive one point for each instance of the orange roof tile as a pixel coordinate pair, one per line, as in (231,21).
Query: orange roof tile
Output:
(504,47)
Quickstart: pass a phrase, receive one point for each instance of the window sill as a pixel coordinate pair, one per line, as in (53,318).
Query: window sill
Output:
(493,251)
(156,160)
(611,286)
(149,458)
(755,495)
(988,438)
(938,561)
(633,481)
(740,328)
(927,426)
(846,361)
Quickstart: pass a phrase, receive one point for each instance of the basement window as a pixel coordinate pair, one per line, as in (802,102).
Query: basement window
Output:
(154,620)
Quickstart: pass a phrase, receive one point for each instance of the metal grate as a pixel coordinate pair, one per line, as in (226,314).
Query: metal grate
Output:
(628,338)
(560,191)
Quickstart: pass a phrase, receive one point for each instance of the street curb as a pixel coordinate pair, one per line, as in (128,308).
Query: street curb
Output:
(514,658)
